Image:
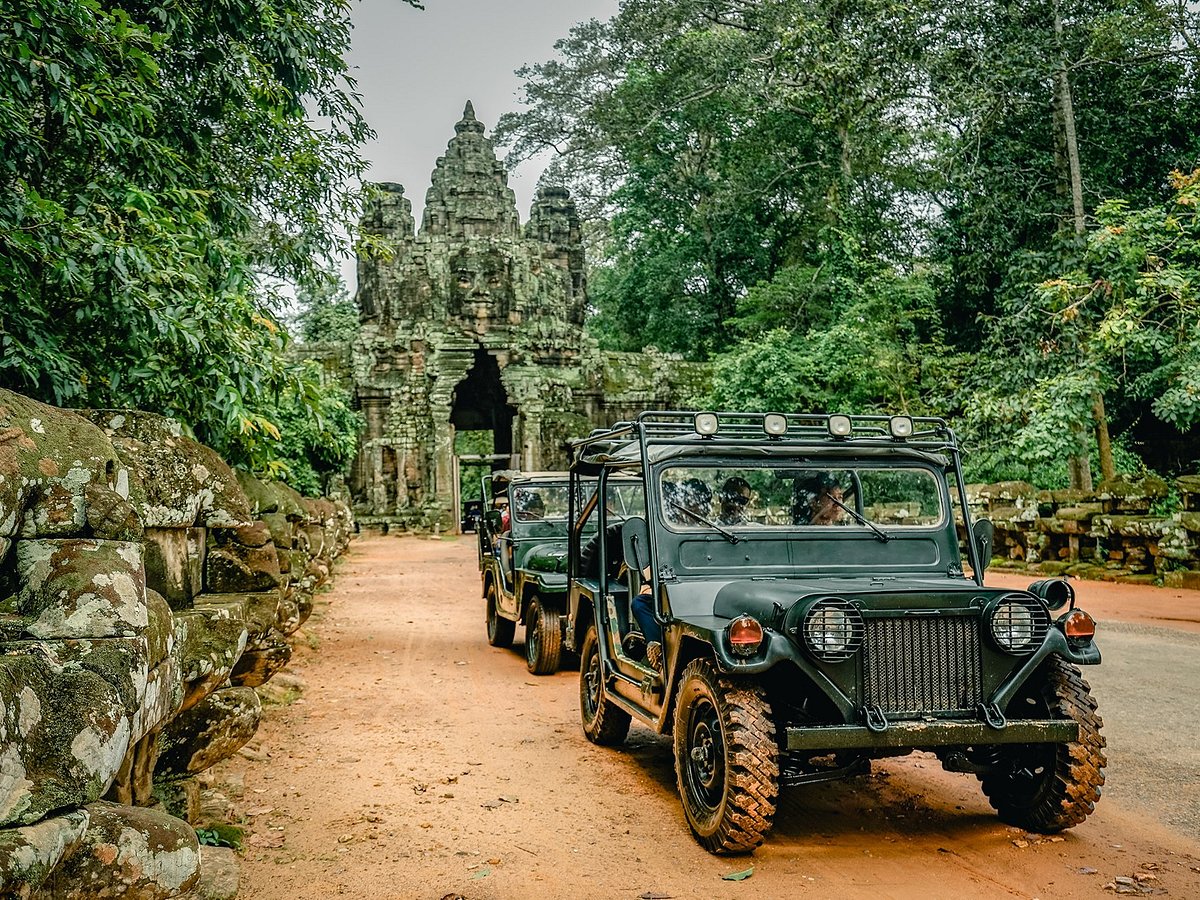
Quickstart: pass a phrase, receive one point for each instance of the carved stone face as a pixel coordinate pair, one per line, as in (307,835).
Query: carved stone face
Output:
(481,284)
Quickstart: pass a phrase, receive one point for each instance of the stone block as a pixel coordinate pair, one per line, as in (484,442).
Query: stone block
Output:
(160,628)
(163,698)
(67,712)
(28,855)
(258,664)
(110,516)
(77,587)
(175,563)
(208,641)
(185,482)
(129,852)
(218,875)
(231,569)
(259,608)
(287,615)
(180,797)
(54,510)
(212,730)
(1184,579)
(282,530)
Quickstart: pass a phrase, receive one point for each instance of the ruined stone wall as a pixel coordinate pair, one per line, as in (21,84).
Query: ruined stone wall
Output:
(145,591)
(475,323)
(1109,534)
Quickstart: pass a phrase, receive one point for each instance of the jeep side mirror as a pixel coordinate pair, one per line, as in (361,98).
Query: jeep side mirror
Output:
(635,543)
(495,520)
(982,533)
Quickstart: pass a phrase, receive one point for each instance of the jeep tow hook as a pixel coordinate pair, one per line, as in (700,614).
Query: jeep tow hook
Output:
(990,713)
(876,720)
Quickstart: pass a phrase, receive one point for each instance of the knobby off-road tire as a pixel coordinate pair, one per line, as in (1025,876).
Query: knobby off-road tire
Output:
(1049,787)
(499,629)
(726,759)
(543,638)
(604,722)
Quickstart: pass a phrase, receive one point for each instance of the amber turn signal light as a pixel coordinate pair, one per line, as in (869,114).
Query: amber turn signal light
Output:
(1079,626)
(745,635)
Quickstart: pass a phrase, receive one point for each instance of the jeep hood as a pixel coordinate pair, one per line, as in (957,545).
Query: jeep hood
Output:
(548,557)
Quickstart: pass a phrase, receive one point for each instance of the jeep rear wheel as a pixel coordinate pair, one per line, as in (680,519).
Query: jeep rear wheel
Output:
(1049,787)
(604,722)
(499,629)
(726,759)
(543,638)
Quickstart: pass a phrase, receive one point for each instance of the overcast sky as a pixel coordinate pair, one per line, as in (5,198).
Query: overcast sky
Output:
(417,68)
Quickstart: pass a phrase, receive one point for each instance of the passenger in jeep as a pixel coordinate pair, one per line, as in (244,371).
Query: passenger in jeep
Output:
(734,496)
(816,501)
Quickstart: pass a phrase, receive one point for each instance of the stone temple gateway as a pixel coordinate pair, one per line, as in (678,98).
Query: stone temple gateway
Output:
(475,323)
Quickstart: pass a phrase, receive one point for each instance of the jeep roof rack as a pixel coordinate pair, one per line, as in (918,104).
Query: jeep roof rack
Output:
(734,429)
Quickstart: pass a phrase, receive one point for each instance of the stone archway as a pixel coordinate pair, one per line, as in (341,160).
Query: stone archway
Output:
(480,403)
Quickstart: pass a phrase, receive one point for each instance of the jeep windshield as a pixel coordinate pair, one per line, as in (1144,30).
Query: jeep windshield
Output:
(783,495)
(541,508)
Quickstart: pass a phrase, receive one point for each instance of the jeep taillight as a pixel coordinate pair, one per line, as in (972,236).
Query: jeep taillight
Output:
(745,635)
(1078,625)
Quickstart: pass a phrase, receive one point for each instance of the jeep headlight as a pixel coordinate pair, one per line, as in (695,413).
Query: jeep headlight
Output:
(832,629)
(1018,624)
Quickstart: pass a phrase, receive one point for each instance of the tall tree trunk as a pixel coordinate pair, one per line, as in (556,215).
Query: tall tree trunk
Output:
(1064,111)
(1108,471)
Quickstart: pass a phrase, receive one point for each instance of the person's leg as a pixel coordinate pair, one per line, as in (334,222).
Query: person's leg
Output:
(643,611)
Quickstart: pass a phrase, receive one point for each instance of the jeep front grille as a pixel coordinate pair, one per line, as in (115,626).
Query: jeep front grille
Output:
(917,665)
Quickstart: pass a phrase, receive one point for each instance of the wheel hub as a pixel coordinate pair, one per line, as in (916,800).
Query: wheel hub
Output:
(706,756)
(593,683)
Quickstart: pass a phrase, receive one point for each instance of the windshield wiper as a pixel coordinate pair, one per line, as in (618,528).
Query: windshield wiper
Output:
(879,532)
(728,535)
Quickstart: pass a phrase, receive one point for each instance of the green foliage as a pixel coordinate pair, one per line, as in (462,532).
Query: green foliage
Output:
(163,168)
(326,312)
(1135,295)
(220,834)
(319,433)
(851,337)
(473,443)
(871,206)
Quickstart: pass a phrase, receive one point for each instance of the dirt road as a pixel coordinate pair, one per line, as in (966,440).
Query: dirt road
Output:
(420,763)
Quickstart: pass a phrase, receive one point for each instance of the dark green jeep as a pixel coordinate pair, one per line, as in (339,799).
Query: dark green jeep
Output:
(523,561)
(806,577)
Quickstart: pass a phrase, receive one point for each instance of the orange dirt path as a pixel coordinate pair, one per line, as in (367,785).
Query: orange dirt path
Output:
(422,763)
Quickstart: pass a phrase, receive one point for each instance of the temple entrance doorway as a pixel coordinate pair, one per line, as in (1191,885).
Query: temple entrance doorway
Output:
(482,422)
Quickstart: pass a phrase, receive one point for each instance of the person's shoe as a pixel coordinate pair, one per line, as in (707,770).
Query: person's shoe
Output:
(634,645)
(654,655)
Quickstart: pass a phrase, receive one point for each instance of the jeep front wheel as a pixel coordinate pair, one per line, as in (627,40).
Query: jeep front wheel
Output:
(499,629)
(1049,787)
(543,638)
(604,722)
(726,759)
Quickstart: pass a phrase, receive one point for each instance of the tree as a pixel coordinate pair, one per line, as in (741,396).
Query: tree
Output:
(162,170)
(325,310)
(1052,105)
(319,433)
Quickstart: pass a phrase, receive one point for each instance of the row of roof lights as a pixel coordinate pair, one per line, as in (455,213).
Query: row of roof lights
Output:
(776,425)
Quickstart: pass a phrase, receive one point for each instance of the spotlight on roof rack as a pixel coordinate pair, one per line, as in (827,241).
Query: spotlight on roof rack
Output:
(839,426)
(775,425)
(900,426)
(706,424)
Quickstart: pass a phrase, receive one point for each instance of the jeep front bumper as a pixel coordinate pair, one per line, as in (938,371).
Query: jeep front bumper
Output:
(924,734)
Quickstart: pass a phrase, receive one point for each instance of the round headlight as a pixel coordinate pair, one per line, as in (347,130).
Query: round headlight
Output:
(1018,624)
(832,629)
